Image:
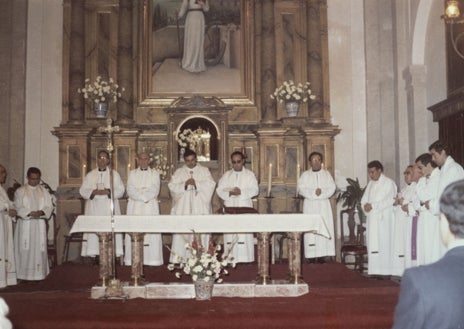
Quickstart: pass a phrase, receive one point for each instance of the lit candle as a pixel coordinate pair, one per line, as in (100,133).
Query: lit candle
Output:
(269,181)
(83,170)
(128,167)
(297,177)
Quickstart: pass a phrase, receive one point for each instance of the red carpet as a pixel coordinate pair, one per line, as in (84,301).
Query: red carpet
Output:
(338,298)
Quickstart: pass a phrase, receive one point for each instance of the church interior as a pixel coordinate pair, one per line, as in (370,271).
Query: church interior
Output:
(385,76)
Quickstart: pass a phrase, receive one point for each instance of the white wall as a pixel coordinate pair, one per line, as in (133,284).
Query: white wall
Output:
(43,86)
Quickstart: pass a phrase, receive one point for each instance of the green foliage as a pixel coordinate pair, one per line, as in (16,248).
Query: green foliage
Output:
(351,198)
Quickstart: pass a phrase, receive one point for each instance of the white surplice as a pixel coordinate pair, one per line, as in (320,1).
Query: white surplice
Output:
(190,201)
(31,233)
(143,187)
(193,59)
(242,245)
(316,245)
(430,248)
(100,205)
(7,257)
(379,224)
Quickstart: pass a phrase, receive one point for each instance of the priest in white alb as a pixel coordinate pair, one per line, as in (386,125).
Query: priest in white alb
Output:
(236,188)
(7,257)
(192,188)
(34,206)
(95,189)
(143,186)
(377,203)
(316,185)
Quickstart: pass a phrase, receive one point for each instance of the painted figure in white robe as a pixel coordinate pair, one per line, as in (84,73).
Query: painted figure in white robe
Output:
(34,206)
(450,170)
(193,59)
(377,203)
(7,215)
(143,186)
(430,247)
(95,189)
(316,185)
(192,188)
(406,207)
(236,187)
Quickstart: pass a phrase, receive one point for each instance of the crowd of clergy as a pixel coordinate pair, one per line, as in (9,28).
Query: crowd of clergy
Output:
(401,227)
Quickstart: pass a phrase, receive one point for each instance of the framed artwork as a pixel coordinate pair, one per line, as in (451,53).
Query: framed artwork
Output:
(196,47)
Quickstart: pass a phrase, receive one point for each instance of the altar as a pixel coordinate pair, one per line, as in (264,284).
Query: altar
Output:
(261,224)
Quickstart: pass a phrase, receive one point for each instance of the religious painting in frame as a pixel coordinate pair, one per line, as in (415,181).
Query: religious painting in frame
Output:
(225,68)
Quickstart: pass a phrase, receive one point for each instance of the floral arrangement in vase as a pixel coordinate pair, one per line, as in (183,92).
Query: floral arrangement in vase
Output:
(189,138)
(291,92)
(101,91)
(202,264)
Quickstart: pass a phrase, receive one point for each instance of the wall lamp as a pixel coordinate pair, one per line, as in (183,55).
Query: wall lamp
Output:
(453,16)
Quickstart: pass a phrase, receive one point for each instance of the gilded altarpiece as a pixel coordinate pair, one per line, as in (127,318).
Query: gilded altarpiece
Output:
(267,42)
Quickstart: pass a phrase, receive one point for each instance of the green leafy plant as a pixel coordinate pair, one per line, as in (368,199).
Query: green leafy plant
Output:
(352,196)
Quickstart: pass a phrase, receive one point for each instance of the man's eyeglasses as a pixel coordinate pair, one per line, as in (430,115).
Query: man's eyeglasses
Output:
(103,158)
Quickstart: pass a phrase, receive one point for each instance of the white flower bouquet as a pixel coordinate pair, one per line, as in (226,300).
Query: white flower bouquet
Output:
(202,264)
(290,92)
(160,164)
(100,90)
(189,137)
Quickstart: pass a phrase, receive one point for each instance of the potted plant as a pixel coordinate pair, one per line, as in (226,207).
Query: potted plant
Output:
(293,95)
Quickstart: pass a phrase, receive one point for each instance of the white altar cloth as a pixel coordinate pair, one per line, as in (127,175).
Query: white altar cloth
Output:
(239,223)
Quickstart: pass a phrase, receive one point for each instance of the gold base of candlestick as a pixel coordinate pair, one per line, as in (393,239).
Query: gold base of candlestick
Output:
(114,290)
(263,280)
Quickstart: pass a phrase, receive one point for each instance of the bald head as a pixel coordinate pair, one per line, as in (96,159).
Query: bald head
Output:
(143,160)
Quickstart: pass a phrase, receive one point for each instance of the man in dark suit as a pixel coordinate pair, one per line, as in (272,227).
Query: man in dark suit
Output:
(432,296)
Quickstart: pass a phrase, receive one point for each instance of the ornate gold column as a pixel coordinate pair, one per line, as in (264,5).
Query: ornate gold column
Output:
(104,243)
(137,259)
(263,258)
(125,66)
(294,257)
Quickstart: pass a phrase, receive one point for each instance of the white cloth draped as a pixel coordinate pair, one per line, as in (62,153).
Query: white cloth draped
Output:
(240,246)
(100,205)
(7,258)
(143,187)
(31,233)
(316,245)
(380,224)
(190,201)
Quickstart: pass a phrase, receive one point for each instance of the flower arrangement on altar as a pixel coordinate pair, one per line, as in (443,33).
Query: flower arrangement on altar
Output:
(202,264)
(189,138)
(290,92)
(100,90)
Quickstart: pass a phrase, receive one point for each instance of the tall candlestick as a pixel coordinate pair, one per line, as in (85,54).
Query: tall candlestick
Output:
(297,177)
(269,181)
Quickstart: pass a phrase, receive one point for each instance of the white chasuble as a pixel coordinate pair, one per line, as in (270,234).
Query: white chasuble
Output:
(190,200)
(7,257)
(31,233)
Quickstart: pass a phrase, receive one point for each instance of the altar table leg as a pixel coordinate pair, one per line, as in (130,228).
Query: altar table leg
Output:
(137,259)
(294,257)
(105,264)
(263,258)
